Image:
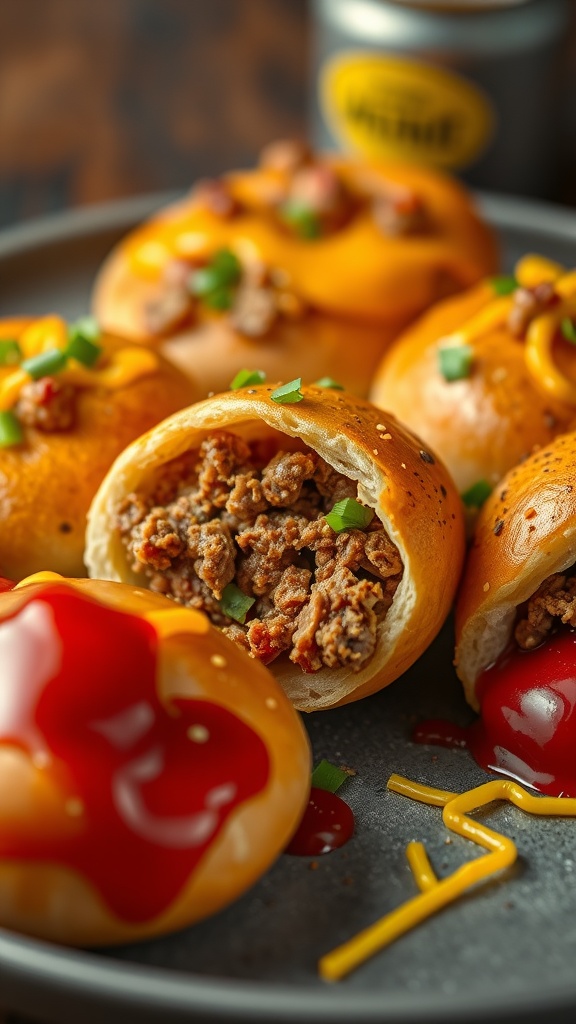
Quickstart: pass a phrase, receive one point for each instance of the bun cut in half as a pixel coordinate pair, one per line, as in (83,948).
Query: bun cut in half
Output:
(150,771)
(315,261)
(313,528)
(486,376)
(524,548)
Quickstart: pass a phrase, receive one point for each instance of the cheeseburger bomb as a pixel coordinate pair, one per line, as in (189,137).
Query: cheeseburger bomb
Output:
(155,792)
(307,261)
(313,529)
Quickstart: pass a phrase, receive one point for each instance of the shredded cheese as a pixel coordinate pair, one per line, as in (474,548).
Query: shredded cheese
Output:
(532,270)
(119,368)
(434,893)
(542,331)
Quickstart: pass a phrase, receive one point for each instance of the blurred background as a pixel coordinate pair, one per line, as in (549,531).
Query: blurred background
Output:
(100,100)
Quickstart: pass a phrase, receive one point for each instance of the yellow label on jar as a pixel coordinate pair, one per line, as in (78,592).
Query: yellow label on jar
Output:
(381,106)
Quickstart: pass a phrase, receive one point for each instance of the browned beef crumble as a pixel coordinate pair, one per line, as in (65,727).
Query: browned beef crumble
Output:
(555,600)
(47,404)
(224,515)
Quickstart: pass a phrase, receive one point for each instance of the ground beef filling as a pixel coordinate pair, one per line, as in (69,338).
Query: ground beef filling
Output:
(226,515)
(554,602)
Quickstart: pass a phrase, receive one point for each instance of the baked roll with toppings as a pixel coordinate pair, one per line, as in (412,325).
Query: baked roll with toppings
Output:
(516,615)
(147,780)
(71,399)
(310,527)
(307,261)
(486,376)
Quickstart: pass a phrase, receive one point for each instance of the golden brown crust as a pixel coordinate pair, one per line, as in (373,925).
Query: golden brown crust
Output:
(48,481)
(525,532)
(359,286)
(482,425)
(54,902)
(409,488)
(213,352)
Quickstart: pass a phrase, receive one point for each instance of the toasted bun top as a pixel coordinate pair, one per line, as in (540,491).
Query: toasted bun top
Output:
(355,269)
(485,423)
(525,532)
(48,480)
(407,486)
(109,795)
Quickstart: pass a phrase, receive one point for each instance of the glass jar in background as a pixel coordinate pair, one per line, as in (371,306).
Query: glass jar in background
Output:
(475,87)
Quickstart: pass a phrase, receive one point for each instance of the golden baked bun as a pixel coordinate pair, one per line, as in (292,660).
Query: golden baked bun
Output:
(333,257)
(524,534)
(62,425)
(516,383)
(151,771)
(224,506)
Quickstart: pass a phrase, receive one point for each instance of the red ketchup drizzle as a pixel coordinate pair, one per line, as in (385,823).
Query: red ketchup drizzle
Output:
(328,823)
(527,718)
(79,683)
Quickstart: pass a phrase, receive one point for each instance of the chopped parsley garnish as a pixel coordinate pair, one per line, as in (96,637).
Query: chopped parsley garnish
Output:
(235,603)
(455,362)
(246,377)
(85,327)
(328,776)
(328,382)
(10,430)
(215,282)
(10,352)
(45,363)
(289,393)
(349,514)
(568,328)
(476,495)
(504,285)
(301,218)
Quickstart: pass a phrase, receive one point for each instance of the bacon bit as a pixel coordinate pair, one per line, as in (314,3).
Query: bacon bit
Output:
(399,212)
(215,195)
(529,303)
(530,513)
(286,155)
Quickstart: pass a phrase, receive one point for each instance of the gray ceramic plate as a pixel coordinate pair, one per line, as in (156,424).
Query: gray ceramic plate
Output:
(507,952)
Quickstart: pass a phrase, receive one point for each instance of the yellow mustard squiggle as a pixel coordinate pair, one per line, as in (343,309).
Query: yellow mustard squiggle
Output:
(436,894)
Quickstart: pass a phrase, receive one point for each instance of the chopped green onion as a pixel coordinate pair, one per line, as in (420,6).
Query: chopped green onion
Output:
(328,776)
(219,298)
(288,393)
(235,603)
(349,514)
(568,328)
(84,350)
(455,362)
(328,382)
(214,282)
(245,377)
(45,364)
(301,218)
(10,352)
(10,430)
(87,327)
(504,285)
(476,495)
